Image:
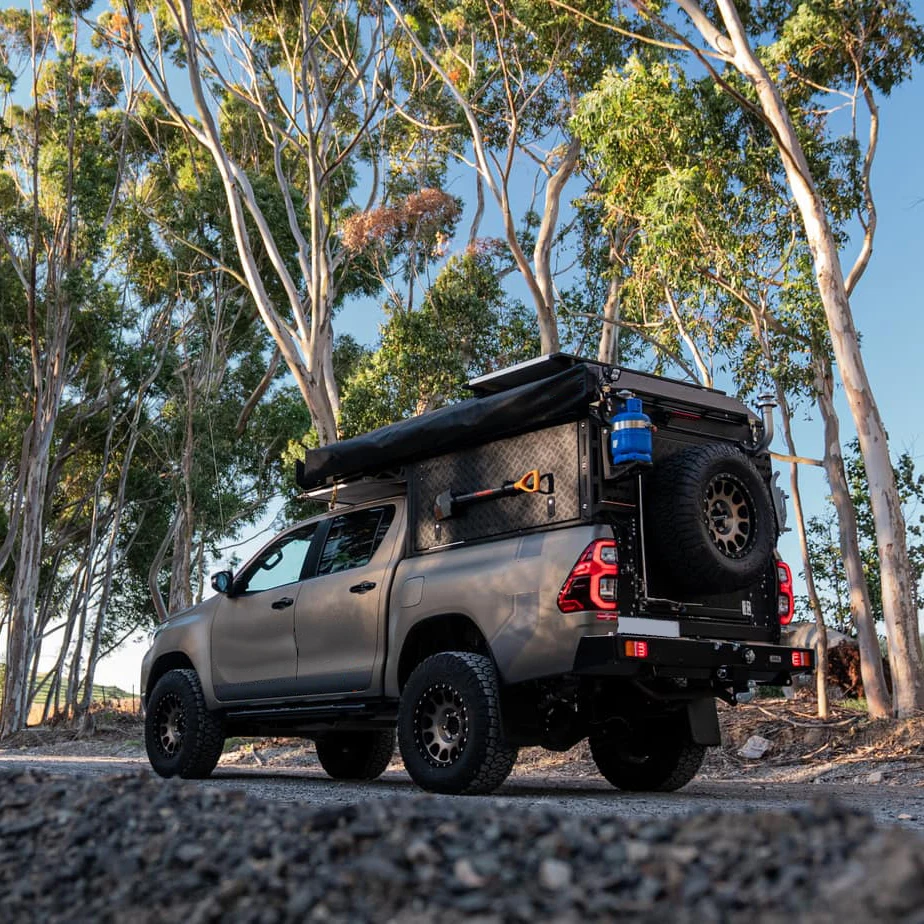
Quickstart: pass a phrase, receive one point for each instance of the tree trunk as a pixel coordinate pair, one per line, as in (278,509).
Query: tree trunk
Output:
(877,695)
(900,616)
(821,643)
(608,349)
(542,252)
(24,590)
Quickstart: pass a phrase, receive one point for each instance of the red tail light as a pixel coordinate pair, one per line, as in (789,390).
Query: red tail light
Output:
(785,605)
(591,585)
(801,659)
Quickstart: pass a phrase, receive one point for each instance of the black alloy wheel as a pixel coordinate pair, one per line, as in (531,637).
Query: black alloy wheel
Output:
(169,721)
(729,511)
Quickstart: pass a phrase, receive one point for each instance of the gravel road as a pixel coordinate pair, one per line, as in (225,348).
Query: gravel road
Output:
(888,804)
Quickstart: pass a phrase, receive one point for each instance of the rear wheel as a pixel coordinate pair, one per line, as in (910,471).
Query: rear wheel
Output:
(655,764)
(355,755)
(181,736)
(449,725)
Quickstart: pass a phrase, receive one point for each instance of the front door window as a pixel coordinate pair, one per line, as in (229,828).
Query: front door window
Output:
(281,563)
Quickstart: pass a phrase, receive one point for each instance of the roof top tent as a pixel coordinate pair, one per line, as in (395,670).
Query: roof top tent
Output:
(534,395)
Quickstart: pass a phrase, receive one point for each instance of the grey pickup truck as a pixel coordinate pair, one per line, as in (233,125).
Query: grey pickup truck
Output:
(577,551)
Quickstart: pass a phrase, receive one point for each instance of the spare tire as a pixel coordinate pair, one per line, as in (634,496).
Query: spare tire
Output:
(709,521)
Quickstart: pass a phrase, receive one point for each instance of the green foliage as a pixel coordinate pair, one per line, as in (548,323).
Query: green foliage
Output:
(692,179)
(464,328)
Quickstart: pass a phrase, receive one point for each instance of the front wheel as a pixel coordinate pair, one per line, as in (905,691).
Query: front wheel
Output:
(355,755)
(657,764)
(449,725)
(181,736)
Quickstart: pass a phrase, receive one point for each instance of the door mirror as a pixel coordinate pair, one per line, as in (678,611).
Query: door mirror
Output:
(222,581)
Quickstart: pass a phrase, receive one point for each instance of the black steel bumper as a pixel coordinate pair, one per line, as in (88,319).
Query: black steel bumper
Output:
(731,664)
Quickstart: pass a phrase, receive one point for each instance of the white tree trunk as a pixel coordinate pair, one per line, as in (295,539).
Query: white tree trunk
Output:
(877,694)
(897,602)
(821,644)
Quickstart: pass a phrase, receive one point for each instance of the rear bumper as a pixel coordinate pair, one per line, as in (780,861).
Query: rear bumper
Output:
(729,664)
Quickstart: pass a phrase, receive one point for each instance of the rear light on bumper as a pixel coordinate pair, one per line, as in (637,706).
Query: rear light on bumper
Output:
(785,603)
(592,583)
(723,663)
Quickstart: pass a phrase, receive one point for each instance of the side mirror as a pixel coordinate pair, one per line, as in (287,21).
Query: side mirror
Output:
(223,581)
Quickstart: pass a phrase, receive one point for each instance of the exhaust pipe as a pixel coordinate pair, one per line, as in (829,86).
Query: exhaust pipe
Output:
(766,404)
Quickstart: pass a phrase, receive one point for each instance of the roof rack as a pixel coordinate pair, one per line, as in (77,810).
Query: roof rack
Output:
(353,491)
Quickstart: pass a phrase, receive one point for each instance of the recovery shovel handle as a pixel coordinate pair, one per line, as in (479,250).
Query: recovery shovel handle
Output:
(529,483)
(448,504)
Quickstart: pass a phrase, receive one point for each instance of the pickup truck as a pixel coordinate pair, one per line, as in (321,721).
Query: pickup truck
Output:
(577,551)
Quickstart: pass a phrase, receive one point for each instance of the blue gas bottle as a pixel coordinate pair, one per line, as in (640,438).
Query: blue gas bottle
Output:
(630,440)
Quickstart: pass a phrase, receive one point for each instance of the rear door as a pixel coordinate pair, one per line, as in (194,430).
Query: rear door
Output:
(339,615)
(254,655)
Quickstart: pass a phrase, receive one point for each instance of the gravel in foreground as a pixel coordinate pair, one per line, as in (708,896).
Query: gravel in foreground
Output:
(133,848)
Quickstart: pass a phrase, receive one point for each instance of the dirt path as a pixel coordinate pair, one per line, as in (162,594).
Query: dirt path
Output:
(875,767)
(528,789)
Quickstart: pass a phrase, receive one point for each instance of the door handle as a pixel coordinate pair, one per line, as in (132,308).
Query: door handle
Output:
(282,603)
(363,588)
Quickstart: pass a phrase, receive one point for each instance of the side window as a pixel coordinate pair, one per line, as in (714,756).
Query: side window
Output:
(280,563)
(354,537)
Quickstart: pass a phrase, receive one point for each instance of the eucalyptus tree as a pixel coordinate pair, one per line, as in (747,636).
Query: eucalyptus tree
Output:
(61,179)
(858,49)
(219,414)
(290,94)
(834,586)
(699,180)
(790,67)
(466,326)
(493,86)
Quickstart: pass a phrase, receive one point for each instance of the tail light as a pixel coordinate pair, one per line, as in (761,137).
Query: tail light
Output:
(636,649)
(801,659)
(785,605)
(591,585)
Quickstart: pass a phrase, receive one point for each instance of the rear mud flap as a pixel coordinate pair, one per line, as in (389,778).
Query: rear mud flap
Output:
(704,722)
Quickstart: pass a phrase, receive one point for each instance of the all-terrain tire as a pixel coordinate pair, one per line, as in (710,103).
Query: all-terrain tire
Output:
(709,519)
(658,765)
(355,755)
(181,736)
(449,725)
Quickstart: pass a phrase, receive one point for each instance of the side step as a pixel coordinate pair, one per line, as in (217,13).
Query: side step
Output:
(304,718)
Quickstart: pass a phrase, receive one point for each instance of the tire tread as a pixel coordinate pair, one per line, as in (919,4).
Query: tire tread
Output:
(679,771)
(674,500)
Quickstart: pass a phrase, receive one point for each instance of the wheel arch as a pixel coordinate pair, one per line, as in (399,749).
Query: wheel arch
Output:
(170,661)
(445,632)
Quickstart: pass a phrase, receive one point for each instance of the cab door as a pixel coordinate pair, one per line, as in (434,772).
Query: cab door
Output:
(254,655)
(340,613)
